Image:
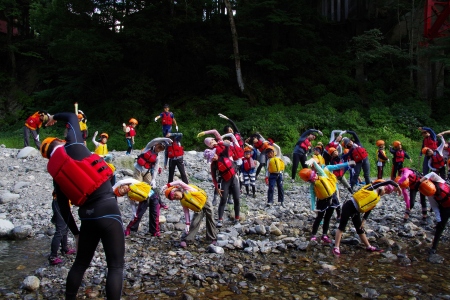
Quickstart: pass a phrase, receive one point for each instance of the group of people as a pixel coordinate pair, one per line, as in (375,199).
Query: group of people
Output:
(87,179)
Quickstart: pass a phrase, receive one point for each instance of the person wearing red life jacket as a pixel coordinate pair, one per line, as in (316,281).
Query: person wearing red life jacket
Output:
(83,178)
(223,165)
(167,119)
(429,141)
(446,153)
(301,149)
(248,170)
(410,179)
(435,157)
(381,158)
(335,142)
(359,154)
(233,129)
(32,125)
(437,190)
(174,154)
(398,158)
(130,133)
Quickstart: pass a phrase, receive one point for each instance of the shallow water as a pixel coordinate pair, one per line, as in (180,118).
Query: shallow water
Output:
(19,259)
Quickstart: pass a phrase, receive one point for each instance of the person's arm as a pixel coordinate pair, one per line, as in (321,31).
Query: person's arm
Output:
(312,195)
(187,216)
(212,131)
(94,141)
(278,149)
(319,169)
(444,132)
(235,129)
(74,135)
(407,156)
(157,141)
(382,155)
(64,208)
(433,177)
(405,174)
(392,150)
(440,149)
(181,184)
(339,166)
(430,131)
(355,137)
(233,138)
(333,134)
(158,116)
(213,175)
(125,128)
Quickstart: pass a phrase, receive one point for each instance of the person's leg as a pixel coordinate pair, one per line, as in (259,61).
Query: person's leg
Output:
(210,226)
(236,194)
(172,164)
(295,161)
(271,187)
(425,167)
(345,183)
(252,183)
(440,226)
(87,244)
(60,230)
(153,217)
(194,227)
(26,136)
(326,220)
(180,166)
(303,160)
(366,170)
(280,188)
(225,186)
(354,174)
(134,224)
(316,223)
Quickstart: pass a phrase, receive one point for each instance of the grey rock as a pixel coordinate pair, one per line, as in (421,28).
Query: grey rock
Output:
(6,227)
(260,229)
(215,249)
(435,259)
(31,283)
(8,197)
(21,232)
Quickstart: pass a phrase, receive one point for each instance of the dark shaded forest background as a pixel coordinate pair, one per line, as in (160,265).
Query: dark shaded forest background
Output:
(302,67)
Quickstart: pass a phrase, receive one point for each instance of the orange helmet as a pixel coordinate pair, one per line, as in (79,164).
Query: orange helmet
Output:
(396,144)
(379,181)
(379,143)
(306,174)
(424,150)
(80,116)
(404,184)
(427,188)
(331,150)
(168,193)
(133,121)
(104,134)
(346,151)
(46,145)
(248,149)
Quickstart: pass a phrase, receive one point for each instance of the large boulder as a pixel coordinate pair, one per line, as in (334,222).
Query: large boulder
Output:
(27,152)
(21,232)
(6,227)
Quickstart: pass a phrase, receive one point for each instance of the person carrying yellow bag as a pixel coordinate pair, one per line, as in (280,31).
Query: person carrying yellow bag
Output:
(141,196)
(192,198)
(323,186)
(363,201)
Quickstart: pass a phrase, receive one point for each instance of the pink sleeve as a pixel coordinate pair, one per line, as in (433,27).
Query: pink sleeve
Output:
(215,132)
(405,174)
(187,216)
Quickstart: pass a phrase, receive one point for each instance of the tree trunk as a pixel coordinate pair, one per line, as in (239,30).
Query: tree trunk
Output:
(234,35)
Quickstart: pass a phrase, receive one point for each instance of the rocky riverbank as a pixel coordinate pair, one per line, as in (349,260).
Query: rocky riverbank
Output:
(269,255)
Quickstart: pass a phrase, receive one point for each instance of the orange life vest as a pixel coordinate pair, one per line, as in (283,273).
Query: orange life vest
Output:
(78,179)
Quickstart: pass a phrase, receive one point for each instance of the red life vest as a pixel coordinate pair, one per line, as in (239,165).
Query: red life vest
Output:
(442,195)
(332,144)
(239,139)
(248,164)
(437,161)
(78,179)
(358,154)
(399,156)
(340,172)
(175,150)
(147,159)
(130,133)
(305,144)
(261,146)
(167,118)
(430,143)
(238,152)
(414,178)
(226,169)
(34,122)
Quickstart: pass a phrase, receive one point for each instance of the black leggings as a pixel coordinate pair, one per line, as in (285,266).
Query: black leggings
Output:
(225,186)
(179,163)
(349,211)
(412,200)
(100,220)
(327,212)
(440,226)
(296,158)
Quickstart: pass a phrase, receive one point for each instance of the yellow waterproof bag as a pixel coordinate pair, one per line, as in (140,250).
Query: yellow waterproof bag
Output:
(139,191)
(276,165)
(194,200)
(365,199)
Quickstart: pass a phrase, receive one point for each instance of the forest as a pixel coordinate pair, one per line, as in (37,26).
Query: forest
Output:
(277,67)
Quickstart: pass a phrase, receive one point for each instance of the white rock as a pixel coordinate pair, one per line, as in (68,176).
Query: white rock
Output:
(8,197)
(5,228)
(28,152)
(31,283)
